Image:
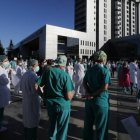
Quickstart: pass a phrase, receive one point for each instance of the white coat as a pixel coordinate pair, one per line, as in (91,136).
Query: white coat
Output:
(4,88)
(79,73)
(31,100)
(71,71)
(133,73)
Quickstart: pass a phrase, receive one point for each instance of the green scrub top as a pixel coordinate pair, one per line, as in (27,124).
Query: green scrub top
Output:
(13,65)
(85,66)
(96,77)
(106,67)
(57,84)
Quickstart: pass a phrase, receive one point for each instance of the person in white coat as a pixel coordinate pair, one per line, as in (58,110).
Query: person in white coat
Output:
(4,90)
(71,69)
(30,100)
(79,75)
(133,75)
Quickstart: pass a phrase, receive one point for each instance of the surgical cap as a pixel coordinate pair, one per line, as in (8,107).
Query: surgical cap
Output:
(61,60)
(100,56)
(31,63)
(2,57)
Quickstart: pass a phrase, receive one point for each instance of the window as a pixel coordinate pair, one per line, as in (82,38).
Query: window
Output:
(105,27)
(83,51)
(90,43)
(83,42)
(105,32)
(105,38)
(105,21)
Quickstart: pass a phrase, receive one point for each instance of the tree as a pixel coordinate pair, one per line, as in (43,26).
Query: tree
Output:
(1,49)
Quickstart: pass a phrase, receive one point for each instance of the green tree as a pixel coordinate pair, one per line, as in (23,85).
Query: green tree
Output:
(1,49)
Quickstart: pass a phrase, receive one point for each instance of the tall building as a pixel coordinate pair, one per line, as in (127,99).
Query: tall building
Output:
(94,17)
(125,18)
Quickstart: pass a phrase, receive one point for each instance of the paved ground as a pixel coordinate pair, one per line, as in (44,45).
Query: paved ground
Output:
(121,106)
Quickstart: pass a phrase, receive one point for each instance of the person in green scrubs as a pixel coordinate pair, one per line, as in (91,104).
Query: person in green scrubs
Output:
(119,70)
(96,83)
(58,91)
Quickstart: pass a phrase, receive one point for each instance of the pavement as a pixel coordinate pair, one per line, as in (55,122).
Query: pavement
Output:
(121,106)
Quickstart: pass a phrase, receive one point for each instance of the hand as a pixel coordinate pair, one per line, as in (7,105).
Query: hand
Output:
(87,96)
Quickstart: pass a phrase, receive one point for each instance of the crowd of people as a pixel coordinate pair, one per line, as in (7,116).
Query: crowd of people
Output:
(55,83)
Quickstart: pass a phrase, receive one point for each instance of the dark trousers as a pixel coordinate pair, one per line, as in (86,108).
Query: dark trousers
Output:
(1,116)
(30,133)
(132,87)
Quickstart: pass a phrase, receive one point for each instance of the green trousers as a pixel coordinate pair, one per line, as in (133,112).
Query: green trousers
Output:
(98,115)
(30,133)
(1,116)
(58,122)
(126,89)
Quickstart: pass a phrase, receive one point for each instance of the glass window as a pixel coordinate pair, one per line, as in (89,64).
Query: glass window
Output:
(83,51)
(83,42)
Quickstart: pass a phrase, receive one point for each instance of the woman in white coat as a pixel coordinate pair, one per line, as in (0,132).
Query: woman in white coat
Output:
(4,90)
(31,100)
(18,75)
(133,75)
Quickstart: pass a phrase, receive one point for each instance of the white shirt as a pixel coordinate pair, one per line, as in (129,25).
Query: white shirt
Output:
(133,72)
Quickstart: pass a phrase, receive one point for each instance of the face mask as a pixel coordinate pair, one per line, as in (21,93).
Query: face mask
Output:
(45,64)
(36,69)
(20,64)
(5,64)
(102,65)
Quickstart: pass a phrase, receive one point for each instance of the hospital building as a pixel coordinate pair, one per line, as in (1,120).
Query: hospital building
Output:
(95,22)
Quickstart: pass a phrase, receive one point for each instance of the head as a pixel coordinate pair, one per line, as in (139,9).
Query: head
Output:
(50,62)
(79,60)
(4,61)
(61,61)
(42,61)
(19,62)
(125,64)
(134,60)
(33,65)
(100,57)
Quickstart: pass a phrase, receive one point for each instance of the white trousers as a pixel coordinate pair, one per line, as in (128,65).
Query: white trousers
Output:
(79,89)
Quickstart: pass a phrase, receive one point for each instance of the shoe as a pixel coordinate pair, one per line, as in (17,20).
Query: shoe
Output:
(125,92)
(4,123)
(3,129)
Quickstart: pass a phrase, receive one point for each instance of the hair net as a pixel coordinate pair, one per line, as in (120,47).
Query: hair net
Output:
(2,57)
(100,56)
(31,63)
(61,60)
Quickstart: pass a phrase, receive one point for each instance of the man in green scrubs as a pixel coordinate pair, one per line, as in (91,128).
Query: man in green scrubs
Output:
(58,91)
(96,83)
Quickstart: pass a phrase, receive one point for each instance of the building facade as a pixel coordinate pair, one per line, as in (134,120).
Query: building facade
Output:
(94,17)
(125,14)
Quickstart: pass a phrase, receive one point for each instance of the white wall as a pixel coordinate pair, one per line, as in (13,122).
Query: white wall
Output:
(52,33)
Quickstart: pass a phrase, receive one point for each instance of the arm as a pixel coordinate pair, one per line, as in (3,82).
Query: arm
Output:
(37,88)
(100,91)
(69,95)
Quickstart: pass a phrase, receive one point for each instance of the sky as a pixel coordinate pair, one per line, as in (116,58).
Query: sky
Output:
(20,18)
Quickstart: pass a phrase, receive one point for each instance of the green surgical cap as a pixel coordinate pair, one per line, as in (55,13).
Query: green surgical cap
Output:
(2,57)
(61,60)
(31,63)
(100,56)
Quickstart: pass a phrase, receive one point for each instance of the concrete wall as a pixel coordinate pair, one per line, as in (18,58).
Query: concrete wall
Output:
(52,33)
